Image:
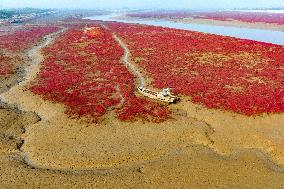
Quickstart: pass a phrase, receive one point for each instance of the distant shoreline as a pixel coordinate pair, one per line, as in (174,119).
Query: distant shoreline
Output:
(232,23)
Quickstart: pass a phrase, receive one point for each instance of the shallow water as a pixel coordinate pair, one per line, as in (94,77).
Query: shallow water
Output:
(274,37)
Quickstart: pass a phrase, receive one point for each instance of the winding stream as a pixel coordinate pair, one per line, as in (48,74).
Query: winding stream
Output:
(31,71)
(127,63)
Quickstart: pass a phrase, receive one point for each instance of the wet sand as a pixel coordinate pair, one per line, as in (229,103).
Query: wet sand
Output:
(194,167)
(198,148)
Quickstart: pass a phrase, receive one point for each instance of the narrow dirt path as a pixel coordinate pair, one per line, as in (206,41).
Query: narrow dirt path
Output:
(31,71)
(35,55)
(18,95)
(128,63)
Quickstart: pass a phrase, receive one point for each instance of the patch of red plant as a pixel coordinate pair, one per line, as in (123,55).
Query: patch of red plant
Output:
(22,39)
(220,72)
(5,65)
(94,32)
(87,76)
(12,45)
(251,17)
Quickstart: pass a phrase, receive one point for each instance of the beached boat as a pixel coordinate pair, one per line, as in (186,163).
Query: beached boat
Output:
(164,96)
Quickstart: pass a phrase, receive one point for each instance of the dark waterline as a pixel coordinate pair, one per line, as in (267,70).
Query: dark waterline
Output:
(268,36)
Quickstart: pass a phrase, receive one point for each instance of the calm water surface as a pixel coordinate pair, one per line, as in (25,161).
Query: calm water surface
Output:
(275,37)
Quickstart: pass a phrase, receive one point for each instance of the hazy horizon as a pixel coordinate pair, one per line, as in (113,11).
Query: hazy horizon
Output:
(142,4)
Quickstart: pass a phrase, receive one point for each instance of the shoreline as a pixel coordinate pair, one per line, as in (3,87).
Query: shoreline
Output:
(232,23)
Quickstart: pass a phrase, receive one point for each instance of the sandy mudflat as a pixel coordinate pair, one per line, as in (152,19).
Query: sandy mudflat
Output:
(66,157)
(193,167)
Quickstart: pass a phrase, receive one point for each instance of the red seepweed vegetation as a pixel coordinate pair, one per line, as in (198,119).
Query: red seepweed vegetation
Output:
(94,32)
(5,65)
(220,72)
(22,39)
(84,72)
(13,44)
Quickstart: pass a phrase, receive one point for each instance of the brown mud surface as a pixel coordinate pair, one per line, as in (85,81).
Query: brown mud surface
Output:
(41,147)
(193,167)
(12,126)
(9,80)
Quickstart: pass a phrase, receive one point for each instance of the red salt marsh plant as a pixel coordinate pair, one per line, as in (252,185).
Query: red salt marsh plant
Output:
(13,44)
(84,72)
(5,65)
(93,32)
(24,38)
(251,17)
(226,73)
